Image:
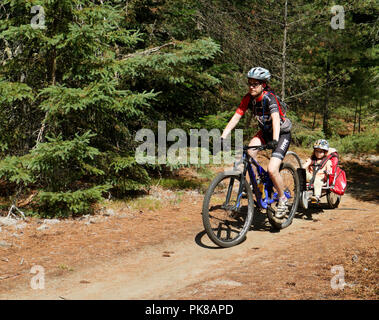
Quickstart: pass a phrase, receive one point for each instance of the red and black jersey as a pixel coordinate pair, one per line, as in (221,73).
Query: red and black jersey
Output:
(262,109)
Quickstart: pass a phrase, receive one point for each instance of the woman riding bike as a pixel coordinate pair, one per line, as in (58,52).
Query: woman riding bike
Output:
(275,128)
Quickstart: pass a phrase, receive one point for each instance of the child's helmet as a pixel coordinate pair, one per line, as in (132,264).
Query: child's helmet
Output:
(321,144)
(259,73)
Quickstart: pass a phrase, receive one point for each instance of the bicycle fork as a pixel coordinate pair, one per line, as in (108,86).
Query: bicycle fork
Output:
(229,193)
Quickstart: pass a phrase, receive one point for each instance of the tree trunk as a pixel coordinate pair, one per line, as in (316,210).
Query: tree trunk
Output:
(284,51)
(355,118)
(54,67)
(359,118)
(53,71)
(314,120)
(325,125)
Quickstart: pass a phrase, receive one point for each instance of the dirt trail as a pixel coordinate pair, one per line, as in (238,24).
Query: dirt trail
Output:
(294,263)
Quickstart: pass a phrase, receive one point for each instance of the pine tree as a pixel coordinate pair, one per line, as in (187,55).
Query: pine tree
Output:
(73,91)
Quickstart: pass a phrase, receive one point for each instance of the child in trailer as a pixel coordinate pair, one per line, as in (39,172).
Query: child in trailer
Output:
(317,167)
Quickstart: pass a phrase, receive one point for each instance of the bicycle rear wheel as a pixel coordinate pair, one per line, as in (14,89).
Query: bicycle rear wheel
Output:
(227,214)
(292,190)
(292,158)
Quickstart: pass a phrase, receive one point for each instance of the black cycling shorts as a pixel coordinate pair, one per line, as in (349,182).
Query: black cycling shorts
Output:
(283,143)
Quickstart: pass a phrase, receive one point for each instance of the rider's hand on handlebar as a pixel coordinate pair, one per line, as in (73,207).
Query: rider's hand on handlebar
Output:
(272,144)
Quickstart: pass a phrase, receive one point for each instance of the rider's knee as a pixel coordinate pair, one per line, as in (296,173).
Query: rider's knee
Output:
(273,169)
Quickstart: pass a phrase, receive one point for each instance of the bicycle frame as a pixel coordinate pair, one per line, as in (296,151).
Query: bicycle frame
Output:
(262,201)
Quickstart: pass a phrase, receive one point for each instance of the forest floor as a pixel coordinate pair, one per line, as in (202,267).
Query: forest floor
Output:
(156,248)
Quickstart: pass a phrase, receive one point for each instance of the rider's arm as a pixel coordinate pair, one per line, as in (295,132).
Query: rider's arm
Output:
(275,117)
(231,125)
(275,125)
(242,108)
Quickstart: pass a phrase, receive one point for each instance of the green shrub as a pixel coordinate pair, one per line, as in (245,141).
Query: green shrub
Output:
(305,137)
(125,174)
(367,142)
(61,169)
(63,204)
(179,184)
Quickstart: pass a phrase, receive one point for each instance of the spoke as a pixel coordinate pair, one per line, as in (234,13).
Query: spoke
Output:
(219,229)
(225,219)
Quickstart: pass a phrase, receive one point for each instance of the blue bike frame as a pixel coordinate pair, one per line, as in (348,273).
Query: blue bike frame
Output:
(266,201)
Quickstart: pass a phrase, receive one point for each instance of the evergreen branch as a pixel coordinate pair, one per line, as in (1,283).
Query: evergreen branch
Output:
(148,51)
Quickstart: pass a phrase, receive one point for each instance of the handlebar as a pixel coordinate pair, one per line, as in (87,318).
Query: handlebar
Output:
(259,148)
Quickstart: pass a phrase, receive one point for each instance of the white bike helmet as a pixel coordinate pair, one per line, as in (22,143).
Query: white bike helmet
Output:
(321,144)
(259,74)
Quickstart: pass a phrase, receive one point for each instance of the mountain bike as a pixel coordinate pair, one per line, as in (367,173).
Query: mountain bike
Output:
(230,201)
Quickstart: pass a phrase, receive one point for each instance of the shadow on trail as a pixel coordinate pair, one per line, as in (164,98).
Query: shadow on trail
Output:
(307,214)
(362,180)
(260,223)
(198,240)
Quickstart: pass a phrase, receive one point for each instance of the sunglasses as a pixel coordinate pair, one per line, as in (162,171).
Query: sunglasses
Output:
(253,84)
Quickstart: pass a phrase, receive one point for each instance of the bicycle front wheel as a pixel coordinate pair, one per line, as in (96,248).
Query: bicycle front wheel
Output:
(292,191)
(228,209)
